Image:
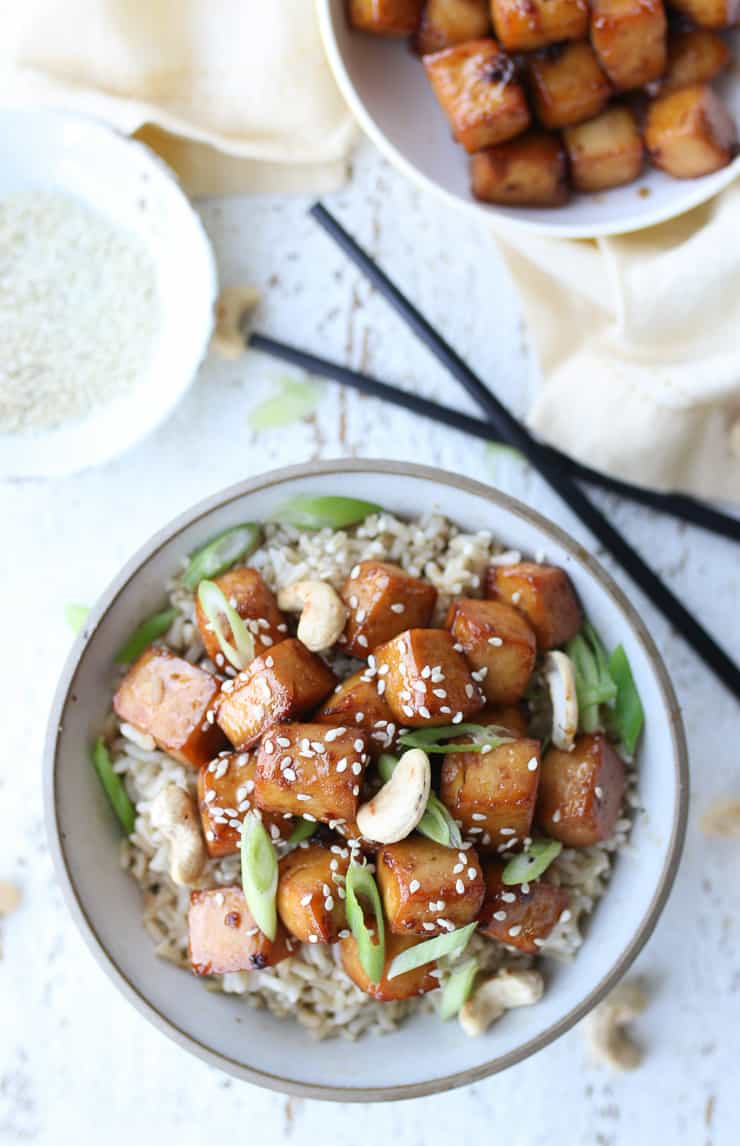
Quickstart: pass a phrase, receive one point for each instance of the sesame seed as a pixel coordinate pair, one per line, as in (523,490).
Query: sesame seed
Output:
(308,816)
(499,916)
(355,789)
(556,816)
(508,897)
(313,939)
(565,916)
(353,602)
(381,687)
(357,767)
(508,831)
(515,930)
(354,573)
(359,745)
(342,764)
(457,718)
(599,792)
(219,899)
(359,717)
(302,796)
(269,747)
(329,903)
(424,712)
(446,709)
(414,886)
(533,764)
(429,926)
(398,607)
(459,887)
(289,775)
(306,899)
(516,597)
(478,816)
(270,661)
(472,873)
(458,647)
(210,796)
(407,710)
(525,889)
(495,641)
(458,868)
(344,933)
(539,942)
(283,741)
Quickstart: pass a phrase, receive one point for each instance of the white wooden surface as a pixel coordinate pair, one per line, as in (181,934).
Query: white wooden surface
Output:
(77,1065)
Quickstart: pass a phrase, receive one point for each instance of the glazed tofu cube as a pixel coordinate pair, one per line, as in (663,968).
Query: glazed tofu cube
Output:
(493,794)
(416,982)
(606,151)
(518,917)
(567,84)
(498,639)
(630,40)
(224,936)
(311,770)
(255,604)
(225,795)
(477,86)
(383,601)
(695,56)
(544,594)
(448,22)
(308,897)
(428,889)
(359,702)
(427,681)
(529,171)
(710,13)
(581,792)
(510,717)
(173,701)
(283,684)
(689,132)
(523,27)
(385,17)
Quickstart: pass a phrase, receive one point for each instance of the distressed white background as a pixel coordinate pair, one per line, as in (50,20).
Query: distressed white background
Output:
(77,1064)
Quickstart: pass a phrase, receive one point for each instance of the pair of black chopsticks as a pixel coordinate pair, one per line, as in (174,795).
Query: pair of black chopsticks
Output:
(557,469)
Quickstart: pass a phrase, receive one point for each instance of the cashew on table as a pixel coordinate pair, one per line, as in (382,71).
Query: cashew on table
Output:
(507,989)
(175,815)
(606,1031)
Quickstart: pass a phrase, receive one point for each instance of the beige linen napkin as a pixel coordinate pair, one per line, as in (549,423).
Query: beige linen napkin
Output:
(638,339)
(236,94)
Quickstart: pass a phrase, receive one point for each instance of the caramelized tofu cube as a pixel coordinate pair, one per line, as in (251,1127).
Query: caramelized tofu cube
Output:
(173,701)
(518,917)
(416,982)
(630,40)
(284,683)
(427,681)
(255,604)
(529,171)
(447,22)
(477,85)
(359,702)
(567,84)
(311,770)
(606,151)
(224,936)
(581,792)
(385,17)
(308,899)
(544,594)
(497,638)
(428,889)
(689,132)
(507,716)
(225,795)
(524,25)
(710,13)
(695,56)
(383,600)
(493,794)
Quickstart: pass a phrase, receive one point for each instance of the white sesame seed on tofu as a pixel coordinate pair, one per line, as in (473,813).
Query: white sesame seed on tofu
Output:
(507,831)
(598,792)
(515,930)
(210,796)
(499,916)
(429,926)
(269,747)
(313,939)
(290,775)
(508,897)
(306,899)
(356,767)
(458,718)
(342,764)
(414,886)
(533,764)
(362,641)
(496,642)
(458,868)
(459,887)
(478,816)
(424,712)
(302,796)
(556,816)
(407,710)
(472,873)
(308,816)
(398,607)
(353,602)
(516,597)
(565,916)
(359,717)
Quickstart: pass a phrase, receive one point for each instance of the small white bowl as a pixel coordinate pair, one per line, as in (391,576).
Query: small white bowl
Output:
(124,181)
(388,93)
(424,1056)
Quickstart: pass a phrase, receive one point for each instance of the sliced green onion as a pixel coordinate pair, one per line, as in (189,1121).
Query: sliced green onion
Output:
(259,874)
(221,553)
(142,638)
(457,988)
(216,607)
(303,830)
(308,512)
(594,684)
(292,403)
(432,739)
(75,616)
(430,951)
(436,824)
(371,952)
(113,786)
(629,716)
(531,864)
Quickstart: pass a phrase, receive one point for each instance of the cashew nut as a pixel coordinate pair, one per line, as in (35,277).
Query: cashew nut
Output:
(722,819)
(232,308)
(323,614)
(396,809)
(605,1027)
(174,813)
(560,678)
(507,989)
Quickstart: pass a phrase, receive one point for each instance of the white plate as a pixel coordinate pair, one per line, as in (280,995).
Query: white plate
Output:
(387,91)
(124,181)
(425,1055)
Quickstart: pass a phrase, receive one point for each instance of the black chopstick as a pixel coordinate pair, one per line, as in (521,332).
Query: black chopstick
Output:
(509,430)
(676,505)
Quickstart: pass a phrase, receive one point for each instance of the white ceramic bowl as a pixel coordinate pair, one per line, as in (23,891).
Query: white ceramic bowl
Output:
(126,182)
(423,1056)
(387,91)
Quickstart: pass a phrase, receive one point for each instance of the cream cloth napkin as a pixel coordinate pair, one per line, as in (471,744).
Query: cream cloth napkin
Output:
(236,94)
(638,339)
